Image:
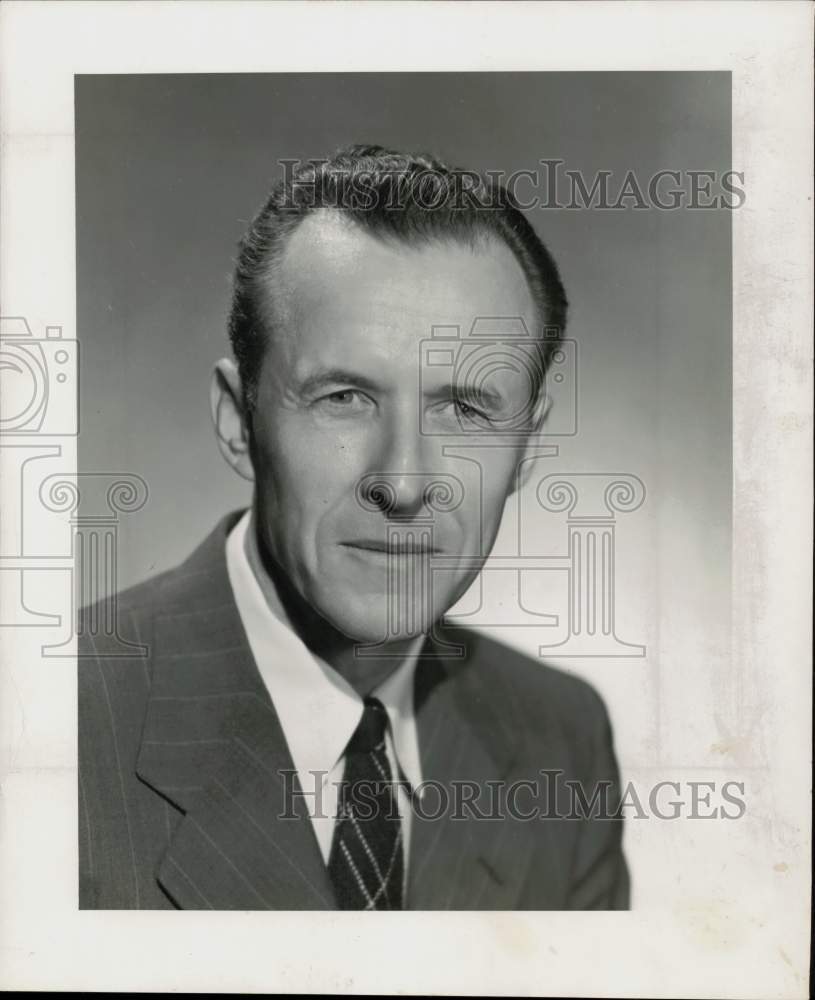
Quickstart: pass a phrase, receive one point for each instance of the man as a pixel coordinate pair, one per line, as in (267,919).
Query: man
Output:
(303,731)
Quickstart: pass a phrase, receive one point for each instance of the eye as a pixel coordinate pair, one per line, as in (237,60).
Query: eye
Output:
(469,412)
(343,401)
(342,396)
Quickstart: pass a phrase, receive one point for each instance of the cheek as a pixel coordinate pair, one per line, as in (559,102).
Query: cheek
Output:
(302,479)
(498,482)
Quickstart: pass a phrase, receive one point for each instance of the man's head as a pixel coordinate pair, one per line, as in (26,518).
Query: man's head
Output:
(333,409)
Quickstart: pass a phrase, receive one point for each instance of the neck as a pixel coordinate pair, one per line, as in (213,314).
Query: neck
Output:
(322,639)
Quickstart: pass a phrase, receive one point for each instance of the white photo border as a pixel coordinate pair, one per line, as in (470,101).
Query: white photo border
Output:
(735,940)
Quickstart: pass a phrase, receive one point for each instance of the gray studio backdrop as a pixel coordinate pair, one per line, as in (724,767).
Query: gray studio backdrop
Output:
(169,169)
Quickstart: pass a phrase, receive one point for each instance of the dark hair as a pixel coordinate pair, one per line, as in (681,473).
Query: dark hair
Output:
(413,198)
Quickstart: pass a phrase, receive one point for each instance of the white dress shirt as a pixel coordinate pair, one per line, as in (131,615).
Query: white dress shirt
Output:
(317,708)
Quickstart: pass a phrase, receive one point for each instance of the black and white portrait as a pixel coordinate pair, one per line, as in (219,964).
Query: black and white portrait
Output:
(404,414)
(345,696)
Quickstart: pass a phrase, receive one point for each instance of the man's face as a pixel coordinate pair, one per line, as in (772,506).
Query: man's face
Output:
(344,398)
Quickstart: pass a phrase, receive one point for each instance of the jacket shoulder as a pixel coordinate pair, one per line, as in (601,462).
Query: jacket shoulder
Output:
(505,669)
(130,613)
(528,704)
(122,623)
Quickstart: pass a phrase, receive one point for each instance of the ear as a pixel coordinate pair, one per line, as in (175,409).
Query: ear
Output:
(532,448)
(230,419)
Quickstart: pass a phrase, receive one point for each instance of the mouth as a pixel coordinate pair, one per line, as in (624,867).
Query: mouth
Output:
(403,547)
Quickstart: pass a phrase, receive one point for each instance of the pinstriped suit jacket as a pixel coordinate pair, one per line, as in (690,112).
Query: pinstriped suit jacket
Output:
(185,778)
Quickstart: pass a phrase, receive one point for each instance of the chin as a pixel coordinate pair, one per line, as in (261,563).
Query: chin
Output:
(369,620)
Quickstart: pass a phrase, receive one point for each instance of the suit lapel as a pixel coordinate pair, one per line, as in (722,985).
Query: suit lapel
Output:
(458,860)
(213,745)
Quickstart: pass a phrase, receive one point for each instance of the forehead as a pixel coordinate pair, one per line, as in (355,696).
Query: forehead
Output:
(334,274)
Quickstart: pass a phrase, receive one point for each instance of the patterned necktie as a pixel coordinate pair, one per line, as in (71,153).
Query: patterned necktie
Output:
(366,863)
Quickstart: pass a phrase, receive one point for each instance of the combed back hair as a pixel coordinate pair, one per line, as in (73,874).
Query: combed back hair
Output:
(411,198)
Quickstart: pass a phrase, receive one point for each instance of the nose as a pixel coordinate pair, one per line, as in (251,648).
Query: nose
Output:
(403,479)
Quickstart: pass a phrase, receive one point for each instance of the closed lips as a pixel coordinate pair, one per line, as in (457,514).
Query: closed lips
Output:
(394,548)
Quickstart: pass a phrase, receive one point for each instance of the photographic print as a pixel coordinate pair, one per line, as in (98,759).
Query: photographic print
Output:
(390,507)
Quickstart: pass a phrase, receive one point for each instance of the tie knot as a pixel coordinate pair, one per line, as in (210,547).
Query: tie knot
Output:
(371,729)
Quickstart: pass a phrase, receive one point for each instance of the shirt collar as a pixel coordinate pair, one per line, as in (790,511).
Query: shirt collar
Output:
(317,708)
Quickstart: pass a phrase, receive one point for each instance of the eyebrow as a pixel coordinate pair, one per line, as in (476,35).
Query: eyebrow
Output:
(334,376)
